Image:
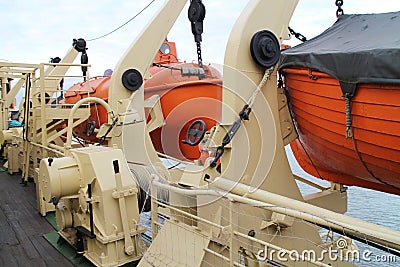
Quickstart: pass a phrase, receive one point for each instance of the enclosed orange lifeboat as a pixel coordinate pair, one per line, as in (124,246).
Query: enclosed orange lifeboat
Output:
(344,91)
(184,98)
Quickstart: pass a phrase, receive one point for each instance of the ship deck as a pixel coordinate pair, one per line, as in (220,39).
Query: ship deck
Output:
(22,227)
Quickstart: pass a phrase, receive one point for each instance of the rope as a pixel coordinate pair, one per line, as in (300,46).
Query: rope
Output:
(350,134)
(103,138)
(174,166)
(97,114)
(243,115)
(349,126)
(366,167)
(78,140)
(260,85)
(296,128)
(119,27)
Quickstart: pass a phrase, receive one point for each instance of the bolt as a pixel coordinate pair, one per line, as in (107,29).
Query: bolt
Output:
(252,233)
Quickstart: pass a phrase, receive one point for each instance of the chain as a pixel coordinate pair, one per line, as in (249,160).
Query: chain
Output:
(196,14)
(199,58)
(299,36)
(339,11)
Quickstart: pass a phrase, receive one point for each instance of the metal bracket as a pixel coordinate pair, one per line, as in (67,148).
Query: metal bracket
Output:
(124,193)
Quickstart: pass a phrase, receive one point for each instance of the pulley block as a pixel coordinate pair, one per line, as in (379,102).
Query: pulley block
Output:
(265,48)
(79,45)
(132,79)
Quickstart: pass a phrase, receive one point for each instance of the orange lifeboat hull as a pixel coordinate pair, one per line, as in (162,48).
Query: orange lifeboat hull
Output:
(183,100)
(322,149)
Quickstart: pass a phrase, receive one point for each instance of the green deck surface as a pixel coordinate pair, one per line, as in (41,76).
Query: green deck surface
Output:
(51,218)
(65,248)
(62,246)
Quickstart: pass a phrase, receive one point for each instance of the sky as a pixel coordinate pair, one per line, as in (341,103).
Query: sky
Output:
(35,31)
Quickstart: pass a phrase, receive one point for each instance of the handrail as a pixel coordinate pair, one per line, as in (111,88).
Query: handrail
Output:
(75,108)
(284,205)
(231,197)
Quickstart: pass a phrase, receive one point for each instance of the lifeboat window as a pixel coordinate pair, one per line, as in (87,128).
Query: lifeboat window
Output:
(165,48)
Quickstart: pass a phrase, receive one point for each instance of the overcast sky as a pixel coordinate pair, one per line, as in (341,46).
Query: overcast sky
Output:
(34,31)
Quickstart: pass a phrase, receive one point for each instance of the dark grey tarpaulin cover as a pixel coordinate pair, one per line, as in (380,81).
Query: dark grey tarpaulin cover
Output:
(356,49)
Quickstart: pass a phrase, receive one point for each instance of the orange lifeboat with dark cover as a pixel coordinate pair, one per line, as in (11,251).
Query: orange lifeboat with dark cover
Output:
(183,100)
(345,61)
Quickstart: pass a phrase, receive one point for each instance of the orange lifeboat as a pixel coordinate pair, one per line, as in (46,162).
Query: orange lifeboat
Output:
(344,94)
(322,148)
(183,98)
